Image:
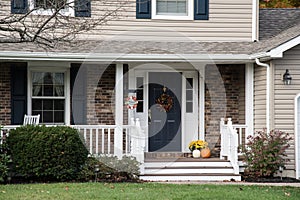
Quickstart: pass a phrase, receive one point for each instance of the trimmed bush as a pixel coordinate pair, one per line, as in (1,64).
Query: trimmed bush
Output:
(265,153)
(4,160)
(46,153)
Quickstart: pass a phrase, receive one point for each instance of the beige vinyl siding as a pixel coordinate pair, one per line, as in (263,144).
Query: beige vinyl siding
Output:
(229,20)
(284,95)
(259,98)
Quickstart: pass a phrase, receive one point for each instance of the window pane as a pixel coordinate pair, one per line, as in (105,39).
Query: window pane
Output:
(189,83)
(48,90)
(47,104)
(139,94)
(37,90)
(47,117)
(172,7)
(189,95)
(189,107)
(140,107)
(59,90)
(59,117)
(59,104)
(48,78)
(36,104)
(140,82)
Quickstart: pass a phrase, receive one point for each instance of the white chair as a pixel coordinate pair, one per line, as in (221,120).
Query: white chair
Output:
(31,119)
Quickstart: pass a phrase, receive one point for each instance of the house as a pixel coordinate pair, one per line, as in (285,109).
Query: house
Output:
(187,68)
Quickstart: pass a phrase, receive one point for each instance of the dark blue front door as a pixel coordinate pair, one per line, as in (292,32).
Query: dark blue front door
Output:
(164,111)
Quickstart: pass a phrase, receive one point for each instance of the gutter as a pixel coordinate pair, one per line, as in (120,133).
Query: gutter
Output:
(267,92)
(121,57)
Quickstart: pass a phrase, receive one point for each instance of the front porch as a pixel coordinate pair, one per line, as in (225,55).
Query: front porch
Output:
(165,166)
(95,95)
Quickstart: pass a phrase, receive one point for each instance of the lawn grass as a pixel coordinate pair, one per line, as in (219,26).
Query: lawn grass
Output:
(144,191)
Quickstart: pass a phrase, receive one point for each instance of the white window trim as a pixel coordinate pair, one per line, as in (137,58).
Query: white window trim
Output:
(69,11)
(64,69)
(190,15)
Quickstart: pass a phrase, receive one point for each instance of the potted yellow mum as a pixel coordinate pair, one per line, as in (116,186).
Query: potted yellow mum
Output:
(195,147)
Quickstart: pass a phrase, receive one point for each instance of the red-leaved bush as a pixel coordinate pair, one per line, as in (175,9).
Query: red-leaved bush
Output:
(265,153)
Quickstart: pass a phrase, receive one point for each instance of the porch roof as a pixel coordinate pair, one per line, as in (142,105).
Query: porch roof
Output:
(277,27)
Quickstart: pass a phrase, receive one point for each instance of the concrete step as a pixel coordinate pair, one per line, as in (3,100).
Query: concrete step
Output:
(189,170)
(180,167)
(165,164)
(191,177)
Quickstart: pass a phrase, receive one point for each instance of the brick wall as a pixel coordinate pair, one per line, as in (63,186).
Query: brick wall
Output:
(224,97)
(5,103)
(101,94)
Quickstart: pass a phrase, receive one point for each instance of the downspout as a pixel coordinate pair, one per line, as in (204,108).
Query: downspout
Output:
(267,92)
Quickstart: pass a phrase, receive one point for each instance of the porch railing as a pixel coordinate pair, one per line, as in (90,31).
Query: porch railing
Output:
(231,137)
(99,139)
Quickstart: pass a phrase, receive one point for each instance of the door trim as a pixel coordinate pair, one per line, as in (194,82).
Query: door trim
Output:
(143,71)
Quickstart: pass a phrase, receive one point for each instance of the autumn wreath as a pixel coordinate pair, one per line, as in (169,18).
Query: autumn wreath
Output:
(165,102)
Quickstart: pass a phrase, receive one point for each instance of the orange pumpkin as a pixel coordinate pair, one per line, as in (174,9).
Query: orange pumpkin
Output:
(205,153)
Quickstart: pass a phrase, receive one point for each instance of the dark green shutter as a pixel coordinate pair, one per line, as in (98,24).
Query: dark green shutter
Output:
(143,9)
(82,8)
(201,9)
(78,94)
(18,93)
(19,6)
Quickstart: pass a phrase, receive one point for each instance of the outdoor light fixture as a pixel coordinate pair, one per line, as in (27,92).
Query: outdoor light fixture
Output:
(96,170)
(287,79)
(280,171)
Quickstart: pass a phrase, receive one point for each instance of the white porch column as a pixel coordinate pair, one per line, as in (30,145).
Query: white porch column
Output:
(118,135)
(249,81)
(201,102)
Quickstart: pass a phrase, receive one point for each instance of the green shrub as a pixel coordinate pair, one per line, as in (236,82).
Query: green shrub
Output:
(265,153)
(46,153)
(4,160)
(110,169)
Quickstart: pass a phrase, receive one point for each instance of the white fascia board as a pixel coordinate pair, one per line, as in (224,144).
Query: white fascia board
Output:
(98,57)
(278,51)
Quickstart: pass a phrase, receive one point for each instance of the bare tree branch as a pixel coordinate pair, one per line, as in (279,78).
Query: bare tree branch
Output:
(54,27)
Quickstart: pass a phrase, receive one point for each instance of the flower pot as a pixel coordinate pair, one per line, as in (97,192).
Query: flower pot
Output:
(196,153)
(205,153)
